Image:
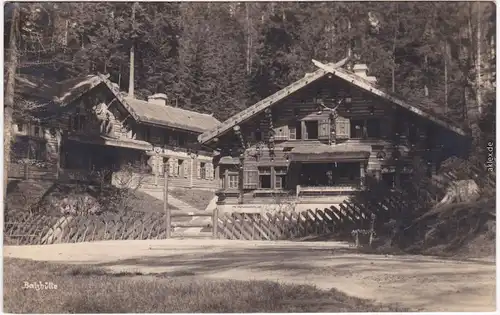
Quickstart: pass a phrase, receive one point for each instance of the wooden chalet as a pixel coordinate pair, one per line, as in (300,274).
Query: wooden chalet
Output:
(87,124)
(317,140)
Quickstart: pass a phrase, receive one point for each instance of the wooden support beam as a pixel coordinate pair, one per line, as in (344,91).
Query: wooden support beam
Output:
(237,131)
(269,117)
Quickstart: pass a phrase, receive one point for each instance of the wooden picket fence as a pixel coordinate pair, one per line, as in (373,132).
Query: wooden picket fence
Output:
(37,229)
(355,214)
(278,226)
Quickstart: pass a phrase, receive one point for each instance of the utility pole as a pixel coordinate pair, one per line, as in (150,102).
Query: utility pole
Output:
(9,92)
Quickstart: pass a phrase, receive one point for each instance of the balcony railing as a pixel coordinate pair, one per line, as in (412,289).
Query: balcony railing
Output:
(326,190)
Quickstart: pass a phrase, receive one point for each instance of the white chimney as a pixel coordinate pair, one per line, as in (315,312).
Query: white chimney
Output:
(361,71)
(158,98)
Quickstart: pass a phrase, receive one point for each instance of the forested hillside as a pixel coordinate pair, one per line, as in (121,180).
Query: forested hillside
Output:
(222,57)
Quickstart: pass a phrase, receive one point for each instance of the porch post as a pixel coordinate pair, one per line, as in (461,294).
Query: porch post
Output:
(191,172)
(226,179)
(240,177)
(362,174)
(156,168)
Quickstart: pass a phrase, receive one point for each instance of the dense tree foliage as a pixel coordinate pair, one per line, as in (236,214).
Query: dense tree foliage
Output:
(222,57)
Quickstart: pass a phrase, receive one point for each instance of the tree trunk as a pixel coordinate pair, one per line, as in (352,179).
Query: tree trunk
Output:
(393,70)
(478,60)
(249,37)
(426,68)
(349,48)
(446,76)
(9,94)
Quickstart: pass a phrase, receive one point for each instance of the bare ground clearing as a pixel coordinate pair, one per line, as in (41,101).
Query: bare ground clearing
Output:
(417,282)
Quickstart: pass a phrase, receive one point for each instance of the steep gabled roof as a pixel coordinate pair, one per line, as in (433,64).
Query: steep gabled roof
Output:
(65,92)
(175,117)
(336,70)
(371,88)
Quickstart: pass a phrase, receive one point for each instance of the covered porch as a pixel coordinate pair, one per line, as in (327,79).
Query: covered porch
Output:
(98,158)
(328,170)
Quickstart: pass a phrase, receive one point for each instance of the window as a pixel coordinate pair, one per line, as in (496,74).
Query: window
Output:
(280,180)
(281,133)
(203,170)
(78,121)
(146,134)
(265,178)
(413,134)
(182,139)
(298,130)
(358,129)
(373,128)
(311,129)
(233,181)
(180,168)
(292,132)
(258,135)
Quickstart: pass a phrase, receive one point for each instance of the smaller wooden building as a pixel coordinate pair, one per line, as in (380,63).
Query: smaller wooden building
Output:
(317,140)
(85,125)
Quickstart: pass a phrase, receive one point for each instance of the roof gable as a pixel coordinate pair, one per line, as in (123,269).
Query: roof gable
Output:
(170,116)
(336,70)
(65,92)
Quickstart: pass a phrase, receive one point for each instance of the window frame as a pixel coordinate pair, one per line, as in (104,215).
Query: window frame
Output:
(267,172)
(233,179)
(203,170)
(180,168)
(314,128)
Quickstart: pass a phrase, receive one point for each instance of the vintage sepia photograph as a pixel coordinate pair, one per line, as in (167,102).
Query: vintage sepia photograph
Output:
(249,157)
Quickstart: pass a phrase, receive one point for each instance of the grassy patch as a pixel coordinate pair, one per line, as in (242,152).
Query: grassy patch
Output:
(83,289)
(197,198)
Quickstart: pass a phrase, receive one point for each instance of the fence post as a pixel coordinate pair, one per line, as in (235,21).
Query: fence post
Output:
(165,204)
(215,221)
(26,171)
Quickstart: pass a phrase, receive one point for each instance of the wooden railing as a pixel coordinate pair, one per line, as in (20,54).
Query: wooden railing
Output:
(27,171)
(326,190)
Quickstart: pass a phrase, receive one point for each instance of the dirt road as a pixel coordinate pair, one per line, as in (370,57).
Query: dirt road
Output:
(417,282)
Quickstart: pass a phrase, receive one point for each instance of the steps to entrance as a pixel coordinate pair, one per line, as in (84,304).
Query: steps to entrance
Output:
(184,207)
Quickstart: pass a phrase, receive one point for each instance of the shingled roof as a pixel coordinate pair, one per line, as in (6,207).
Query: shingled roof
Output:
(169,116)
(324,69)
(65,92)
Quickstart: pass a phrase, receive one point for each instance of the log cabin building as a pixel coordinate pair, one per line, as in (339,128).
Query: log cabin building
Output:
(317,139)
(87,124)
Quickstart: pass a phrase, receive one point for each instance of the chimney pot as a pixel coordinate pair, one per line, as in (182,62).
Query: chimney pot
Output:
(158,98)
(361,71)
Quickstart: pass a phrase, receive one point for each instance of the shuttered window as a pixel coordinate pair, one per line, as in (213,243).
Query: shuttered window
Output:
(202,171)
(281,133)
(185,170)
(170,167)
(280,177)
(343,128)
(250,179)
(210,171)
(198,169)
(324,129)
(292,132)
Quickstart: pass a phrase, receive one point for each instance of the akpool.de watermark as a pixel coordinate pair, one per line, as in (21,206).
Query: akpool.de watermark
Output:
(490,160)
